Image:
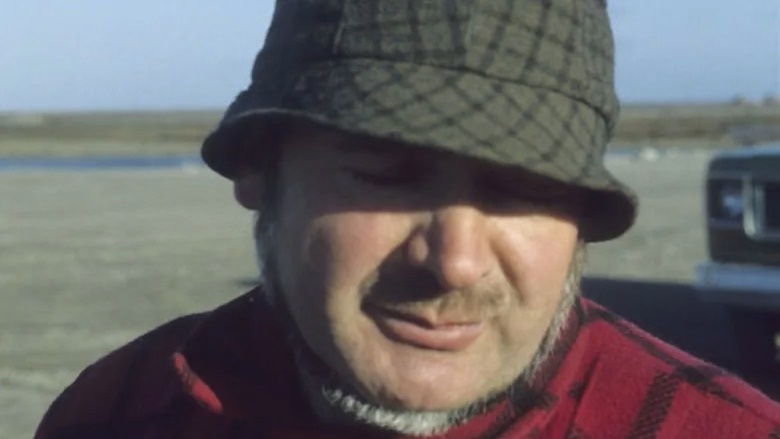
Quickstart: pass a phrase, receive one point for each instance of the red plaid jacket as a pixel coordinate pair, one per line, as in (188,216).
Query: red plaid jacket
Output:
(228,374)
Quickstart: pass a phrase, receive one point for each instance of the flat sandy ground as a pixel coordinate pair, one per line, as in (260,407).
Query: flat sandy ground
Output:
(90,260)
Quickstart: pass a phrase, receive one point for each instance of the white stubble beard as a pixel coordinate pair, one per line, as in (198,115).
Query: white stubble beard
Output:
(337,402)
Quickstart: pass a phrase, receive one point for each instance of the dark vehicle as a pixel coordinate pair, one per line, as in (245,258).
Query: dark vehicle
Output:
(743,234)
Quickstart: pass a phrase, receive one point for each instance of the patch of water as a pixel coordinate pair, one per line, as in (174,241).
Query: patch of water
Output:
(97,162)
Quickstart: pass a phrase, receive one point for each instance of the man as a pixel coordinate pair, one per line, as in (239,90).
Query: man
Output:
(426,175)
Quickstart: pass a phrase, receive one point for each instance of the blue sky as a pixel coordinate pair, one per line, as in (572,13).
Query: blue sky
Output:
(150,54)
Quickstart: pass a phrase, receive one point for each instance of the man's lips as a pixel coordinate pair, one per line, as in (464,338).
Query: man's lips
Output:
(450,336)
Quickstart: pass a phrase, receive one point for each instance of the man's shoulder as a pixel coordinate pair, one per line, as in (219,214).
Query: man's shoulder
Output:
(136,379)
(671,385)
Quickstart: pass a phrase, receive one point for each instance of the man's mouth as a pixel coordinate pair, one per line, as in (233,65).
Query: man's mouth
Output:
(452,335)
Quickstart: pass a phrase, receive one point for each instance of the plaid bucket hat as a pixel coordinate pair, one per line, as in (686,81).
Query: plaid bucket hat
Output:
(526,83)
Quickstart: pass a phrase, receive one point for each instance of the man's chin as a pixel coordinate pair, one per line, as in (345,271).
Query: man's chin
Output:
(410,401)
(401,414)
(421,392)
(425,397)
(405,404)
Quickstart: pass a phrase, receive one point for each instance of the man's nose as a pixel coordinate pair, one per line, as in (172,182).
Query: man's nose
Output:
(454,245)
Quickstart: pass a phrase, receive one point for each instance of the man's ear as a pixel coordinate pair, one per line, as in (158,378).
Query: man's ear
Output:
(247,189)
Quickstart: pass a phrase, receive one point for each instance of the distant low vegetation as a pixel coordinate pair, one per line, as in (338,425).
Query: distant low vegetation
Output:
(104,133)
(723,125)
(180,132)
(137,126)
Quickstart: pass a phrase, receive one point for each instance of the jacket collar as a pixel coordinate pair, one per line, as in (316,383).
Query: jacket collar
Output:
(237,363)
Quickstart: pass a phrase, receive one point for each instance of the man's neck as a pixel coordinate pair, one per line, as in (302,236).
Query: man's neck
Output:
(337,404)
(333,402)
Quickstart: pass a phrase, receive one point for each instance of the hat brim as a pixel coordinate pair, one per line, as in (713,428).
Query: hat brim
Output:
(534,128)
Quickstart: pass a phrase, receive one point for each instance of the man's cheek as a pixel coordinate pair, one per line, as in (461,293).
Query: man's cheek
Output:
(356,244)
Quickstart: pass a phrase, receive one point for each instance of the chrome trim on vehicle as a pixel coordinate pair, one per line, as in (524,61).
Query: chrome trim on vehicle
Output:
(720,223)
(755,211)
(748,201)
(739,175)
(726,175)
(753,200)
(724,224)
(738,284)
(764,150)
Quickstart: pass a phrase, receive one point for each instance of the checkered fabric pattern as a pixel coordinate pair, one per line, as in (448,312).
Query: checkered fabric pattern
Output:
(230,374)
(525,83)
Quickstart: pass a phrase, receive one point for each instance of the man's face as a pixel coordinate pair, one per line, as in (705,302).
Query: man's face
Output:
(425,280)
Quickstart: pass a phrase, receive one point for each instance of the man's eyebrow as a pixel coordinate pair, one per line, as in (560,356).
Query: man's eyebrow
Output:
(526,180)
(373,148)
(360,146)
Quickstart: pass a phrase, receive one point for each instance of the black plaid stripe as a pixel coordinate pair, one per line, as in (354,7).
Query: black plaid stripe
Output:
(528,110)
(393,18)
(541,37)
(655,407)
(519,82)
(535,433)
(546,402)
(521,399)
(489,56)
(578,433)
(386,30)
(412,30)
(552,157)
(374,23)
(441,115)
(567,44)
(286,35)
(468,118)
(701,376)
(491,139)
(562,347)
(550,61)
(562,71)
(599,43)
(508,416)
(456,28)
(775,434)
(501,423)
(576,391)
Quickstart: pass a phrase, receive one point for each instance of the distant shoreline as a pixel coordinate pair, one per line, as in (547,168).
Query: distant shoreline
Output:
(100,162)
(166,133)
(194,161)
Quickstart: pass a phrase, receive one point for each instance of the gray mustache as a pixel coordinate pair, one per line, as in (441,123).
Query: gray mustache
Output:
(414,291)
